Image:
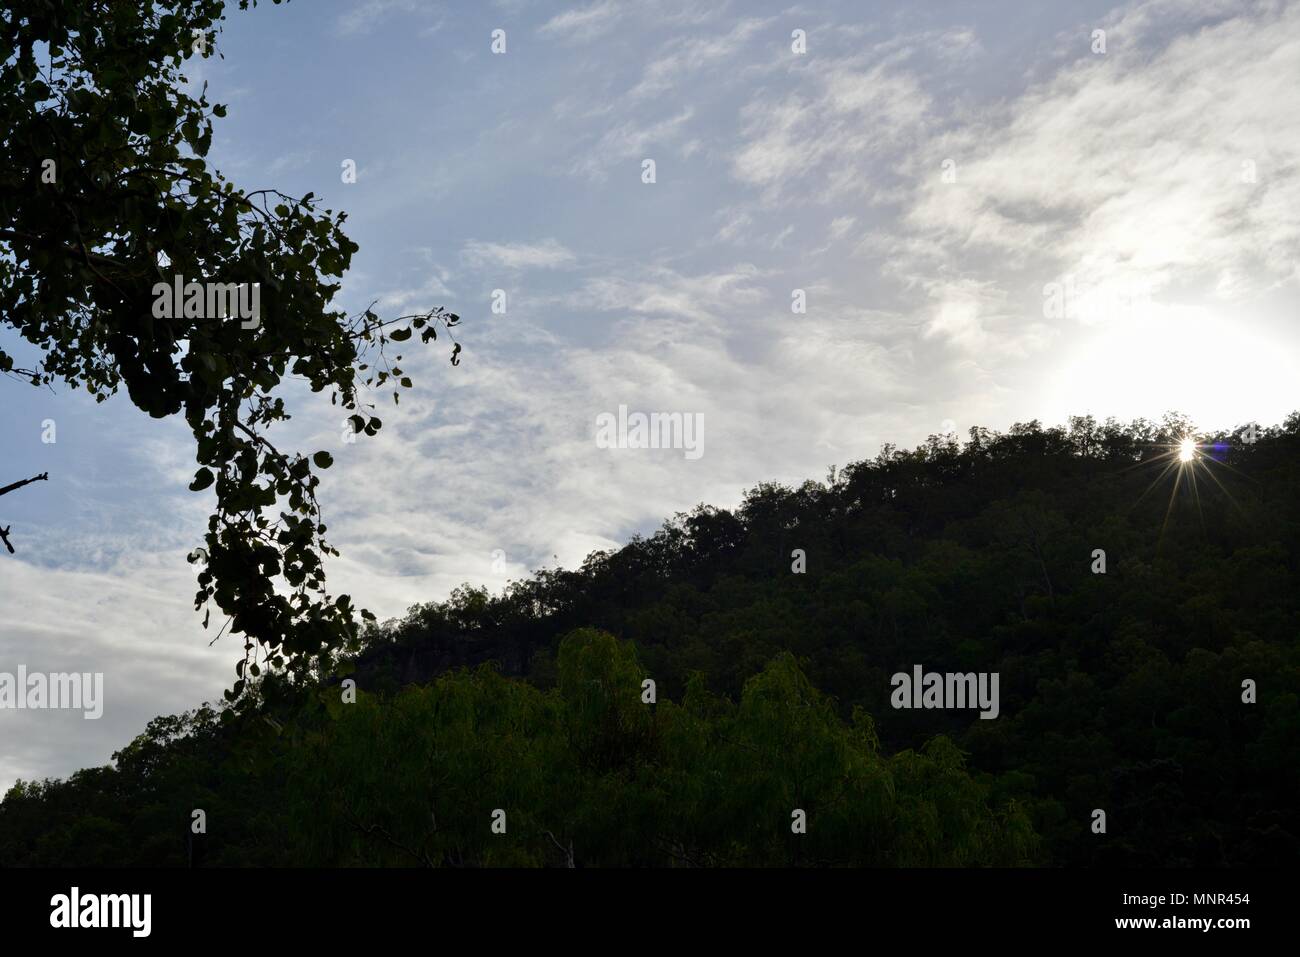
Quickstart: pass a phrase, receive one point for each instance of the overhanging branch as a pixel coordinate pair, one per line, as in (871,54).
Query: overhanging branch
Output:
(43,477)
(4,532)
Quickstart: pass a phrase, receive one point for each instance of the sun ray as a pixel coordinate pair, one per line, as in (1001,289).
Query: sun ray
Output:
(1185,456)
(1233,469)
(1156,481)
(1226,494)
(1196,495)
(1173,495)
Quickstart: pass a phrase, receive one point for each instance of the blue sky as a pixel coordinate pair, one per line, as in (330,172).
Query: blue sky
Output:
(925,173)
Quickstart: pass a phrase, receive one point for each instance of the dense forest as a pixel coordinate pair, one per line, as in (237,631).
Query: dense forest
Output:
(1140,612)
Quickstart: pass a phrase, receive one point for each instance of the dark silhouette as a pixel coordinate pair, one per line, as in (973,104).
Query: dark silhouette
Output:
(1159,684)
(4,532)
(108,202)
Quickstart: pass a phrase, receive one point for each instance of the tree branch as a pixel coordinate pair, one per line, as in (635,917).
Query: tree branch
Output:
(568,853)
(43,477)
(4,532)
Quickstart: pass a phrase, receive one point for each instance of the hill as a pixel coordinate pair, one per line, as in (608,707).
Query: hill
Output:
(1139,613)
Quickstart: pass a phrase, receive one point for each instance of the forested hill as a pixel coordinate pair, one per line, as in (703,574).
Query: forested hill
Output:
(1141,614)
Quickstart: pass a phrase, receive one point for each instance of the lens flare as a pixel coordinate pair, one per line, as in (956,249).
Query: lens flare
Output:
(1186,450)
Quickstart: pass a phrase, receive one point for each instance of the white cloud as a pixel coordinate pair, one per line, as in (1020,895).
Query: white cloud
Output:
(822,138)
(419,298)
(735,225)
(367,14)
(548,254)
(972,316)
(134,622)
(500,454)
(1126,170)
(288,162)
(583,23)
(841,225)
(684,57)
(632,140)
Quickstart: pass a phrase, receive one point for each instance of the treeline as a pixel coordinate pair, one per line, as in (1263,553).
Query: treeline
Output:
(1121,690)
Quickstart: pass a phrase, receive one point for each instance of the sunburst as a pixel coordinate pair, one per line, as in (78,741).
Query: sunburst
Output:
(1187,459)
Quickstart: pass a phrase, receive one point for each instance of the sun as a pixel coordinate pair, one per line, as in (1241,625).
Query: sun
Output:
(1188,461)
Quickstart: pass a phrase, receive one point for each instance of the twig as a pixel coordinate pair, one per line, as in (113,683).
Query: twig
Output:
(568,854)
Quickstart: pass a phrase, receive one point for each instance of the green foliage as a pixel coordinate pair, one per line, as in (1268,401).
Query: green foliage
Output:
(587,775)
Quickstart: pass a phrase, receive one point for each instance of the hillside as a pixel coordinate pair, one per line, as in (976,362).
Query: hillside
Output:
(772,633)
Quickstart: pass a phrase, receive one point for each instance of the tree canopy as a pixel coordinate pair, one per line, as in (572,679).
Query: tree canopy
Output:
(583,775)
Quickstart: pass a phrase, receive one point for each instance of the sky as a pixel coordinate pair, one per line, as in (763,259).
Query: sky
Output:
(866,224)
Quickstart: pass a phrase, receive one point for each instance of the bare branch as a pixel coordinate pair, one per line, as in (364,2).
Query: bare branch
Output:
(43,477)
(4,532)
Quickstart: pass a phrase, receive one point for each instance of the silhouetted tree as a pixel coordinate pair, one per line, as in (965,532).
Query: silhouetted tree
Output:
(106,203)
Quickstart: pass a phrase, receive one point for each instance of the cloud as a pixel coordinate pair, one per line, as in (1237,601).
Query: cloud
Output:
(1164,163)
(132,621)
(841,225)
(583,23)
(680,61)
(630,140)
(973,316)
(735,225)
(288,162)
(682,58)
(820,139)
(419,297)
(548,254)
(365,16)
(664,293)
(500,456)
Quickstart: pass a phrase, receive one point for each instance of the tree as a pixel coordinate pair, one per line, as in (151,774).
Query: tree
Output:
(106,204)
(4,532)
